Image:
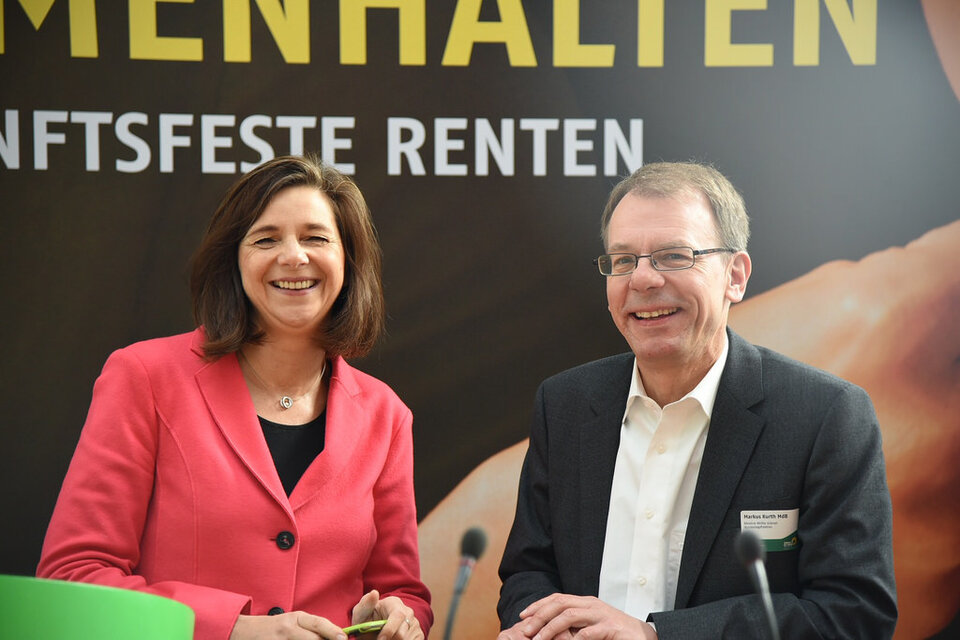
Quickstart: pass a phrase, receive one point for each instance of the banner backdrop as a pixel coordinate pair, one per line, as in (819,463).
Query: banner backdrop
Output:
(486,136)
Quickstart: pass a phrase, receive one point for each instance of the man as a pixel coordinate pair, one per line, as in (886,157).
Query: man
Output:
(644,468)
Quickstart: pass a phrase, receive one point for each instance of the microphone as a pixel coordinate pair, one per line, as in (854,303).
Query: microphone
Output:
(472,546)
(751,552)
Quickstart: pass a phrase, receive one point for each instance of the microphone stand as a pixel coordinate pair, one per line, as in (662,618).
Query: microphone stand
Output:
(465,568)
(759,575)
(751,552)
(472,546)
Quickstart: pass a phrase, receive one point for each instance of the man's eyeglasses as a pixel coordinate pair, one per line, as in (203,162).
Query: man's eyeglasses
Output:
(672,259)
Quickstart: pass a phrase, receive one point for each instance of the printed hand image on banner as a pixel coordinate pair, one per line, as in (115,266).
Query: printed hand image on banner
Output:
(486,136)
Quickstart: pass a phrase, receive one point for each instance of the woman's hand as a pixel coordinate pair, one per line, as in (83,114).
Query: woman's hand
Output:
(296,625)
(401,623)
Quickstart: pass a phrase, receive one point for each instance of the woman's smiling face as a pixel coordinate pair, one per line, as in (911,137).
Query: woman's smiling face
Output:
(292,262)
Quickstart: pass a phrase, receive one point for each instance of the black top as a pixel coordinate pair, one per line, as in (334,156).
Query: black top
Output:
(294,447)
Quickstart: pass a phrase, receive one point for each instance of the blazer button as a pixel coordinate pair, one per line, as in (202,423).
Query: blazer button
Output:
(284,540)
(275,611)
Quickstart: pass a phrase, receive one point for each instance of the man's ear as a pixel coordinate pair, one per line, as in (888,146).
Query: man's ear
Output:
(738,272)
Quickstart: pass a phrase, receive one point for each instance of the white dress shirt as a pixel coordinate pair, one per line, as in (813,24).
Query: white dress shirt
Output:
(653,483)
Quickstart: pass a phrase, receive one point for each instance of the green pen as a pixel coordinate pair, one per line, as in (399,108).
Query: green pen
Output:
(364,627)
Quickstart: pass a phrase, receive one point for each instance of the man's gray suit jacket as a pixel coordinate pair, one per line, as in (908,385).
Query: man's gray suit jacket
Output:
(782,436)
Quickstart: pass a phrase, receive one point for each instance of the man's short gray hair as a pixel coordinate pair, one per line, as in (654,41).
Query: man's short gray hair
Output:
(678,180)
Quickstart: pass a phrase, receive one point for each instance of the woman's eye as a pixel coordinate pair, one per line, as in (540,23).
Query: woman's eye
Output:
(264,242)
(318,240)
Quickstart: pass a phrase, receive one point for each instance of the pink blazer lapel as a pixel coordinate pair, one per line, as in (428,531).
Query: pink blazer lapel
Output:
(346,420)
(225,392)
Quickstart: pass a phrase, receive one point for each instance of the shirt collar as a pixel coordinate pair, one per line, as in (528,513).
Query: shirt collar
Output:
(705,393)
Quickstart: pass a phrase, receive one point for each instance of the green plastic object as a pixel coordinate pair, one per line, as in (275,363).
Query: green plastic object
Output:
(39,609)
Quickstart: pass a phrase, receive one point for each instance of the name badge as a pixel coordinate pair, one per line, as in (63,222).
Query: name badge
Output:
(777,528)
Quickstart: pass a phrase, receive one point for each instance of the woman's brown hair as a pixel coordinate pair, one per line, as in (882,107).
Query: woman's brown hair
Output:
(221,307)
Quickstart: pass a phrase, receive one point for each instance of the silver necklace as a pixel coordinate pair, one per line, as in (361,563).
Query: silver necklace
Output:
(285,401)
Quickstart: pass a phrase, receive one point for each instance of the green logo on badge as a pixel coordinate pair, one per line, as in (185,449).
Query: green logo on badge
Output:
(788,543)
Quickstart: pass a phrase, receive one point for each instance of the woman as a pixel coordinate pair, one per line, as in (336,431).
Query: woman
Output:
(245,468)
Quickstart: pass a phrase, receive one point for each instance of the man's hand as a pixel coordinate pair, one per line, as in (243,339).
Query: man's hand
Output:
(563,617)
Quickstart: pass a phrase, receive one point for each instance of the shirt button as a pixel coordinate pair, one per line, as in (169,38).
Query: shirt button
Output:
(661,448)
(648,513)
(284,540)
(275,611)
(641,581)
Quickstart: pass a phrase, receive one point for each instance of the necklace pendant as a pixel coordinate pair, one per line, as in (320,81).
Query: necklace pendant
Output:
(286,402)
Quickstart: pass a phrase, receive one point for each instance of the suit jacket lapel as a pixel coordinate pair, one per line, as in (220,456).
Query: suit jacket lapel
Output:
(346,418)
(599,442)
(225,392)
(733,433)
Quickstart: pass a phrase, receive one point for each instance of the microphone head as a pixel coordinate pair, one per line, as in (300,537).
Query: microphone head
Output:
(473,543)
(750,548)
